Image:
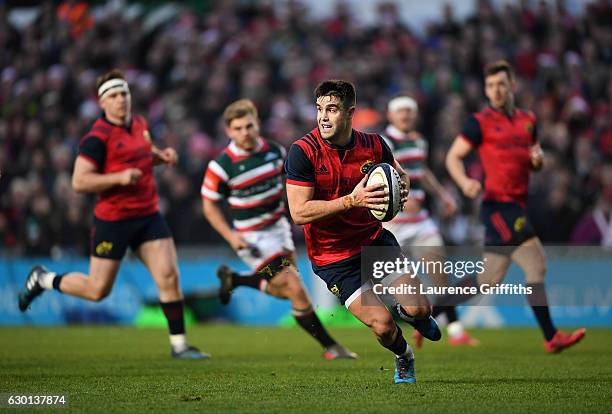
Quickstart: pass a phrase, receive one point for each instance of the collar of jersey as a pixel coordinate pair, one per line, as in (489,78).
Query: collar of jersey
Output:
(348,146)
(503,113)
(395,133)
(239,152)
(127,126)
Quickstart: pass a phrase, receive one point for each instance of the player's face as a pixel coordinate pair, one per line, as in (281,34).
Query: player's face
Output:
(499,89)
(244,132)
(117,106)
(403,119)
(332,119)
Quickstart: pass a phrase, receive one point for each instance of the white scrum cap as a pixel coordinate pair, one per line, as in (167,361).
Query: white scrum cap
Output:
(402,102)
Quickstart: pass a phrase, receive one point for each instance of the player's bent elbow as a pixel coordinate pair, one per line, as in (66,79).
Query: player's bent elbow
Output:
(298,220)
(77,185)
(297,217)
(449,160)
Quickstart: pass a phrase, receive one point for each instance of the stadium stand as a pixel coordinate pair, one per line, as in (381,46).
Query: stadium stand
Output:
(186,65)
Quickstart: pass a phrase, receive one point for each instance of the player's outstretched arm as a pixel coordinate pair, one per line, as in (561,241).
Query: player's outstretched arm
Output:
(214,215)
(454,164)
(87,179)
(305,210)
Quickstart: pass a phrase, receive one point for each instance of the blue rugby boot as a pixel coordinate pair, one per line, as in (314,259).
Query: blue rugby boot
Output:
(190,353)
(404,370)
(427,327)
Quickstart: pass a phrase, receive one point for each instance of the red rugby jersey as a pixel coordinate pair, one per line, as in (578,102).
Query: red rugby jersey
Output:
(334,172)
(503,144)
(114,148)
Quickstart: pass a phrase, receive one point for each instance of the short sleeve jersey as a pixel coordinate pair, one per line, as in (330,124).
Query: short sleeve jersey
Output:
(334,172)
(410,151)
(113,148)
(251,182)
(503,144)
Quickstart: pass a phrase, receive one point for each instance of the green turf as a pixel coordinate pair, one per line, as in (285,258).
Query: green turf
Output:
(112,369)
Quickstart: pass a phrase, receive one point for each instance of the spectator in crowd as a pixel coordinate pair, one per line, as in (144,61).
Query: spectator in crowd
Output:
(187,65)
(595,227)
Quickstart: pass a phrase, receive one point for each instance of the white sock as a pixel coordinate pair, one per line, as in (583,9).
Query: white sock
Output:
(46,280)
(408,353)
(178,342)
(454,329)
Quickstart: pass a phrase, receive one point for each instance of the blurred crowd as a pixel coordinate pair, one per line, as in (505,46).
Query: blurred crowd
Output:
(184,66)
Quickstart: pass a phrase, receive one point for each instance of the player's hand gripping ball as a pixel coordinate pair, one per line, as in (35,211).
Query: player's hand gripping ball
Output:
(387,175)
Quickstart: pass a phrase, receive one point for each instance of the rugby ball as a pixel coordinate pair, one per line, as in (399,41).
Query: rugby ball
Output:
(386,174)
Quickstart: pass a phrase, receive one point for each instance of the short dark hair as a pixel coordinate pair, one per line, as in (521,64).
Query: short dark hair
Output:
(499,66)
(112,74)
(343,90)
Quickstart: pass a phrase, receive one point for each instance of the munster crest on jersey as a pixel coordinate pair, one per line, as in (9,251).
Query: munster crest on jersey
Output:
(365,168)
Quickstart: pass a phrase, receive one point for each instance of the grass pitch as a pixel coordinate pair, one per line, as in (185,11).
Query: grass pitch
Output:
(114,369)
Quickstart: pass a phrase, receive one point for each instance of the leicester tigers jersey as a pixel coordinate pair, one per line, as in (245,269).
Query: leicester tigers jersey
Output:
(410,150)
(251,182)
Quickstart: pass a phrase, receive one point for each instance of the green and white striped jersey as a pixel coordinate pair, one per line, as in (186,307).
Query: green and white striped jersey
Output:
(251,182)
(410,150)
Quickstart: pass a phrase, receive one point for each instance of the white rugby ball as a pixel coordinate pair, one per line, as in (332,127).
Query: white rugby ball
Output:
(386,174)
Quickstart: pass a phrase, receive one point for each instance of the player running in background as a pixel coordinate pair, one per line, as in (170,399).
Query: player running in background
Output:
(116,160)
(248,174)
(415,231)
(326,175)
(506,140)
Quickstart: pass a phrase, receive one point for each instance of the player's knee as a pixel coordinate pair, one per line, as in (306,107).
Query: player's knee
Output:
(537,272)
(169,280)
(294,287)
(540,272)
(492,276)
(420,312)
(98,293)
